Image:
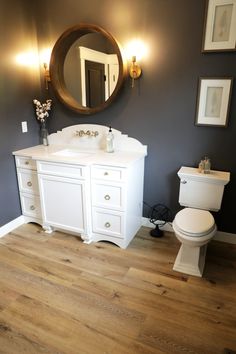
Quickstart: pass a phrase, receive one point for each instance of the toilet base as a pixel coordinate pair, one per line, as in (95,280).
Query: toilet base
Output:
(191,260)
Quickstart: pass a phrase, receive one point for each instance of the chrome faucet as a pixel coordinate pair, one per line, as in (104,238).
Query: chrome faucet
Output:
(88,133)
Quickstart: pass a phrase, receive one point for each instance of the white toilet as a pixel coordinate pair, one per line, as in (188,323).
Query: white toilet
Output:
(194,226)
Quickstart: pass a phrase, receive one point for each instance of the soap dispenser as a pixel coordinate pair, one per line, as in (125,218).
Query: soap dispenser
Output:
(110,141)
(207,165)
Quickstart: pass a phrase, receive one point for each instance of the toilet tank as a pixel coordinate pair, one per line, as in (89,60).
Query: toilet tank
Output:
(202,191)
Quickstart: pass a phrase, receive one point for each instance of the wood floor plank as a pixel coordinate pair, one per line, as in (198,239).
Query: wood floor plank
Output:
(59,295)
(90,308)
(75,257)
(177,340)
(157,304)
(55,328)
(7,295)
(182,290)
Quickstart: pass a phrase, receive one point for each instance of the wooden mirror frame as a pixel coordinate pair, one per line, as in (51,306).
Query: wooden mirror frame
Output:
(57,60)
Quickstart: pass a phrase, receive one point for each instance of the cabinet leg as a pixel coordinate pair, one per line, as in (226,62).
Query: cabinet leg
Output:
(48,229)
(87,238)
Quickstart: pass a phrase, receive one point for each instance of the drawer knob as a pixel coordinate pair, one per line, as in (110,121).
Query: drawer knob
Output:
(107,197)
(26,162)
(32,207)
(107,225)
(29,184)
(106,173)
(183,181)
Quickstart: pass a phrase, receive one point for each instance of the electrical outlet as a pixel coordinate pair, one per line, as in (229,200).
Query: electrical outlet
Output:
(24,127)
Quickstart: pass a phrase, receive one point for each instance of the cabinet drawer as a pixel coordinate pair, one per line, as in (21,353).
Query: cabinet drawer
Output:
(31,205)
(108,196)
(108,173)
(108,223)
(60,169)
(25,162)
(28,181)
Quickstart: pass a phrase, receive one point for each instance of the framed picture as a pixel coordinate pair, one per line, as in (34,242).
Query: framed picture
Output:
(220,26)
(213,101)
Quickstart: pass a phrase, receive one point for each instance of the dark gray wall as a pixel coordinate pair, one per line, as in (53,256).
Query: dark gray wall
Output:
(18,86)
(160,110)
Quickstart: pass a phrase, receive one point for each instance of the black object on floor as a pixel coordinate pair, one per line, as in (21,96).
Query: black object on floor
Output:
(156,232)
(159,216)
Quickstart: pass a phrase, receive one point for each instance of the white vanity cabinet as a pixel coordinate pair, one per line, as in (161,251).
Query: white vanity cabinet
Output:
(80,187)
(29,189)
(64,196)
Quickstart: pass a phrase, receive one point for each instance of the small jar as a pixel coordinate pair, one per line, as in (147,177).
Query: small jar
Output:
(207,166)
(201,166)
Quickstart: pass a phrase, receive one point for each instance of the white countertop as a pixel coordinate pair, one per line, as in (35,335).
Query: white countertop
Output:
(91,157)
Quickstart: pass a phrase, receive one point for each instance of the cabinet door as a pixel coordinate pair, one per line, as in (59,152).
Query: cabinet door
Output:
(63,202)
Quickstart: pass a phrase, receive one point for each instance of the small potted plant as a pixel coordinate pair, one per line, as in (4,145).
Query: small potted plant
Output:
(41,110)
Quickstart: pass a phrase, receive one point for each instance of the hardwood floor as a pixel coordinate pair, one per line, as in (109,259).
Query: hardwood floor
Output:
(58,295)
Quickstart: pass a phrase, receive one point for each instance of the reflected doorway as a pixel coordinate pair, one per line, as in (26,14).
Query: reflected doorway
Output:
(95,79)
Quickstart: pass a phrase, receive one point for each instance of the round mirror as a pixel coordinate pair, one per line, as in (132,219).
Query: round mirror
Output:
(86,68)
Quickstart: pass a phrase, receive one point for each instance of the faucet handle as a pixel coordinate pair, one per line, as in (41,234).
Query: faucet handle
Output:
(79,133)
(88,133)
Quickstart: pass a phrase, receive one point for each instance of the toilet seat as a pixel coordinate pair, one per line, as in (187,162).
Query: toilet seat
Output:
(194,222)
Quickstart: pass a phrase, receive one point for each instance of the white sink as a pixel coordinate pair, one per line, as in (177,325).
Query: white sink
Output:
(71,153)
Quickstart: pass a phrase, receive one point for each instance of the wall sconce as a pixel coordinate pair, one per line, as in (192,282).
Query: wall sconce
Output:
(45,60)
(34,60)
(46,75)
(135,50)
(135,70)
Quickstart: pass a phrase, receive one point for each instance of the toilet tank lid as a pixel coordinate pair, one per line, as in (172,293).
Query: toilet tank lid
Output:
(191,173)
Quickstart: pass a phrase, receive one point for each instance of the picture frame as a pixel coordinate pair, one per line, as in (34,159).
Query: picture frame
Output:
(220,26)
(213,101)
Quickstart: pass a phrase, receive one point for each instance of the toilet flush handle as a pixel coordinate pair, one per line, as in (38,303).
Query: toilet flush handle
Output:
(183,181)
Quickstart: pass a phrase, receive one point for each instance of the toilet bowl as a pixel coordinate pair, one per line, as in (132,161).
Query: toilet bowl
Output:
(194,228)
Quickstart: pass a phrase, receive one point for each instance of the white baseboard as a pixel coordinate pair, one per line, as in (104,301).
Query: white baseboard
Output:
(219,236)
(225,237)
(5,229)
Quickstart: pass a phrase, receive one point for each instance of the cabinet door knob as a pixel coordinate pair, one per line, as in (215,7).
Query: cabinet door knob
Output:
(106,173)
(32,207)
(107,225)
(183,181)
(26,162)
(107,197)
(29,184)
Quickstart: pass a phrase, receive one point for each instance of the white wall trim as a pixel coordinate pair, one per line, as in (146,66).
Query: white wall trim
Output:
(219,236)
(5,229)
(225,237)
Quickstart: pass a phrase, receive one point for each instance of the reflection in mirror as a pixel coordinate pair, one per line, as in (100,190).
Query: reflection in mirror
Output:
(86,68)
(91,70)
